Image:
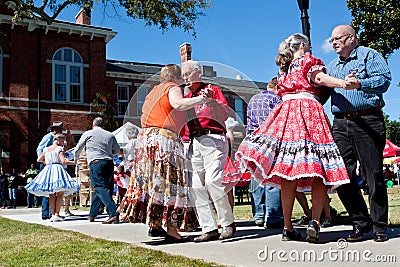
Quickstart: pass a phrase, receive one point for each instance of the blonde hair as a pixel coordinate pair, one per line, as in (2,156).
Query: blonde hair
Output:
(59,137)
(288,47)
(169,73)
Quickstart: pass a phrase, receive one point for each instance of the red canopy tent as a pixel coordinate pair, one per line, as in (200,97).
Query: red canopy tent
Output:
(391,150)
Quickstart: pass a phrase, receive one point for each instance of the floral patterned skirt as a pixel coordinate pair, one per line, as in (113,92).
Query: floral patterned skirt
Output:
(232,176)
(294,142)
(158,193)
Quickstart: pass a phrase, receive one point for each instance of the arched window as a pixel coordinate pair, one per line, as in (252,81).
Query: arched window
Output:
(67,68)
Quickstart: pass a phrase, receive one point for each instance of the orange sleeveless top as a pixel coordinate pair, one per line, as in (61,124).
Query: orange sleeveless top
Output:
(158,112)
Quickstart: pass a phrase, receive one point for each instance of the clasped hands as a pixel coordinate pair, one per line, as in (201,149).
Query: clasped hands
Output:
(351,82)
(207,93)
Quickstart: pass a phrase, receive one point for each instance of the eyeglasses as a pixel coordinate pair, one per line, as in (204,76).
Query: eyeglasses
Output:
(339,38)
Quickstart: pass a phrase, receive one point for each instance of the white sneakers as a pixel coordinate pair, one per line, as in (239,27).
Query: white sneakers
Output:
(56,218)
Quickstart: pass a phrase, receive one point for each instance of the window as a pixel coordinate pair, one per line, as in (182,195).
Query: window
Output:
(122,99)
(67,76)
(76,138)
(239,109)
(141,93)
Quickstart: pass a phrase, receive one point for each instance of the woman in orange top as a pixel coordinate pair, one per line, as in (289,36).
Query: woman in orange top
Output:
(158,190)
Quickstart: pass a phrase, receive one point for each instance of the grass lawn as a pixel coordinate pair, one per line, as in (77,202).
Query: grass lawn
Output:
(24,244)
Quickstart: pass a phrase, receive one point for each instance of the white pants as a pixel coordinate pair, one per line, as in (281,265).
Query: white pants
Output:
(208,162)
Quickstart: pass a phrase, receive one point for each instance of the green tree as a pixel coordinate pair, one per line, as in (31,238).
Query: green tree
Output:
(102,107)
(378,23)
(165,14)
(392,130)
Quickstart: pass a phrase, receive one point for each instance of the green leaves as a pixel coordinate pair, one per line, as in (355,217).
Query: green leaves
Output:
(378,23)
(392,130)
(103,107)
(165,14)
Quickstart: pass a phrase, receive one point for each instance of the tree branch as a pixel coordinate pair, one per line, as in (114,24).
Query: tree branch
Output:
(43,6)
(60,8)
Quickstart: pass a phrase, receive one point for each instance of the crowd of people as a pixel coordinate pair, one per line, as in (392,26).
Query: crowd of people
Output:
(290,148)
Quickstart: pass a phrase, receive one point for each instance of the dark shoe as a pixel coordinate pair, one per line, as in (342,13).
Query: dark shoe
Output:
(259,223)
(290,235)
(304,220)
(171,239)
(326,223)
(333,212)
(213,235)
(312,232)
(153,232)
(91,219)
(227,231)
(45,218)
(356,235)
(274,225)
(380,237)
(112,220)
(67,213)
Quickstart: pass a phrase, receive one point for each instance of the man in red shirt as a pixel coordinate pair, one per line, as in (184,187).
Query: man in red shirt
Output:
(209,145)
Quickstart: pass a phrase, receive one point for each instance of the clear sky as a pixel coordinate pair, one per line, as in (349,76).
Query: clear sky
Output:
(243,35)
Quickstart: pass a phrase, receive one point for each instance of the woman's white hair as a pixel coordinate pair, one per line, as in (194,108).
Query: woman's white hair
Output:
(131,131)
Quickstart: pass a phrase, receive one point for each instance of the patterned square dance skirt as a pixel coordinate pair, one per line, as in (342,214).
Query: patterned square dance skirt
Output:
(294,142)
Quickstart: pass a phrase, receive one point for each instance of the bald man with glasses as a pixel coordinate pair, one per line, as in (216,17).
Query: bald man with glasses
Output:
(359,129)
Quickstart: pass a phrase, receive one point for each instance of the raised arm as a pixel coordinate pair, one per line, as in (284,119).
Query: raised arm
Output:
(178,102)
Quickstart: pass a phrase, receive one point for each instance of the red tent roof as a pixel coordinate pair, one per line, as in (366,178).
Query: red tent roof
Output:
(391,150)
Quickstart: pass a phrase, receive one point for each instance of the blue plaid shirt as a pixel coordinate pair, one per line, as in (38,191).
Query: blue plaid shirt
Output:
(259,107)
(373,73)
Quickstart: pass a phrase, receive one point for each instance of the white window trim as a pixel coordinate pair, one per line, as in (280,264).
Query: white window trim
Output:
(68,83)
(126,85)
(123,83)
(141,87)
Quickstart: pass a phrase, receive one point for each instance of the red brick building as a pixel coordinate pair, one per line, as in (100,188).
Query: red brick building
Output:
(53,72)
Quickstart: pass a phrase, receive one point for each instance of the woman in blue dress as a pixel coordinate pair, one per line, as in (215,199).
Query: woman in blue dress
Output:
(54,181)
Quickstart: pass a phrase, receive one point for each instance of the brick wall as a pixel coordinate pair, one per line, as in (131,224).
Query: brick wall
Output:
(27,75)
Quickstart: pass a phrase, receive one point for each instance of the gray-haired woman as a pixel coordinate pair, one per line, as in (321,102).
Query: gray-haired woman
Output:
(131,132)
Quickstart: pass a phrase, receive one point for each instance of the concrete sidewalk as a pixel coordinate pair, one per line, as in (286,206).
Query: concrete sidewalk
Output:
(251,245)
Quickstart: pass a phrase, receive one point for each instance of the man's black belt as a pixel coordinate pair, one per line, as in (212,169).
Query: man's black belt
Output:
(201,132)
(359,113)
